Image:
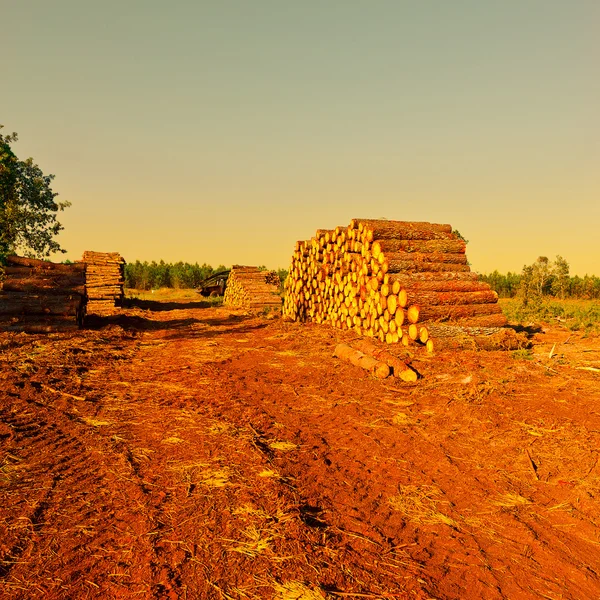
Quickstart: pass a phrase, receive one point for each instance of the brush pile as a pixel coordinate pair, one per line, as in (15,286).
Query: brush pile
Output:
(39,296)
(396,281)
(252,289)
(104,279)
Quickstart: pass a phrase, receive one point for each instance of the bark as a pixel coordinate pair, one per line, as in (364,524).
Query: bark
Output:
(409,278)
(16,303)
(426,298)
(478,338)
(423,257)
(453,246)
(417,286)
(412,266)
(400,367)
(376,367)
(44,286)
(38,324)
(385,230)
(454,312)
(43,265)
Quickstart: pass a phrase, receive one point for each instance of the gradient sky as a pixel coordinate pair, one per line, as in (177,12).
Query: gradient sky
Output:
(224,131)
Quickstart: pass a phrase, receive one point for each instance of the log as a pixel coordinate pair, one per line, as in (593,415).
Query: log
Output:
(425,276)
(410,266)
(459,311)
(424,298)
(384,230)
(38,324)
(452,246)
(376,367)
(423,257)
(399,368)
(42,286)
(16,303)
(43,265)
(478,338)
(439,285)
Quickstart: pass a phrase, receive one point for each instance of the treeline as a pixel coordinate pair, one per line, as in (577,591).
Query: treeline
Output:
(544,278)
(153,275)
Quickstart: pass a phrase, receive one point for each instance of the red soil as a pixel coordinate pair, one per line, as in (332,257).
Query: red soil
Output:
(190,452)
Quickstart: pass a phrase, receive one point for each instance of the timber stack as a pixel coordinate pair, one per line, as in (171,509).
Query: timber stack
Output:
(104,279)
(39,296)
(252,289)
(397,281)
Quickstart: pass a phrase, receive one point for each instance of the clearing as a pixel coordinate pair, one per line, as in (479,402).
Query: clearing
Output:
(182,450)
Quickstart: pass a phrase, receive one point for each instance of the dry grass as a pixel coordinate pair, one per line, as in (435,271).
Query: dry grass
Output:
(283,446)
(202,473)
(95,422)
(295,590)
(510,500)
(419,505)
(255,542)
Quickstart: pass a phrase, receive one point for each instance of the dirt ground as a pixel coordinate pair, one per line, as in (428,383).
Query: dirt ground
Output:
(183,451)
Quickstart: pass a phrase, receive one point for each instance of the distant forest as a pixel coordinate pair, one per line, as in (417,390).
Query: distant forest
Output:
(507,286)
(153,275)
(544,278)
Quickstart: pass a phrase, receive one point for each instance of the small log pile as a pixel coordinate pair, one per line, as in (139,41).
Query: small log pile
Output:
(39,296)
(252,289)
(391,280)
(104,279)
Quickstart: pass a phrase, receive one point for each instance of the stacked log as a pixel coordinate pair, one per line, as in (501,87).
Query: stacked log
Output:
(104,279)
(252,289)
(389,280)
(41,296)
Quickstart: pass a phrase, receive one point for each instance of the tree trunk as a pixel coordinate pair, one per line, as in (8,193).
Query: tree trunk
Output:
(17,303)
(454,246)
(414,286)
(412,266)
(43,265)
(426,298)
(456,312)
(44,286)
(385,230)
(376,367)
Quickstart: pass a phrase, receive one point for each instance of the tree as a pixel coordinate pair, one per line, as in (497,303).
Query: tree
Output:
(561,279)
(28,208)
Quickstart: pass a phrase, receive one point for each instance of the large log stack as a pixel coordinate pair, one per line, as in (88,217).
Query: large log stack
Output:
(393,280)
(252,289)
(104,279)
(41,296)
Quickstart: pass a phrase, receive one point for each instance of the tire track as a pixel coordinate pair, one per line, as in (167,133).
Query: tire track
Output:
(69,486)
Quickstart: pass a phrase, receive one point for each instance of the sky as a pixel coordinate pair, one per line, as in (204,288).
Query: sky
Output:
(222,132)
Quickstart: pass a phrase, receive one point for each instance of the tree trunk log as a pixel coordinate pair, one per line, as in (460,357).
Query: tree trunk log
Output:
(456,312)
(423,257)
(28,304)
(41,286)
(426,298)
(411,266)
(454,246)
(43,265)
(376,367)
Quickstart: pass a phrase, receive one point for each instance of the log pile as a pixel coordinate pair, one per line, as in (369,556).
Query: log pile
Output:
(391,280)
(41,296)
(104,279)
(252,289)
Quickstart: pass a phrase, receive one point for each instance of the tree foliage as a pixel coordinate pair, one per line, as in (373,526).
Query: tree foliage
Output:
(154,275)
(542,279)
(28,209)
